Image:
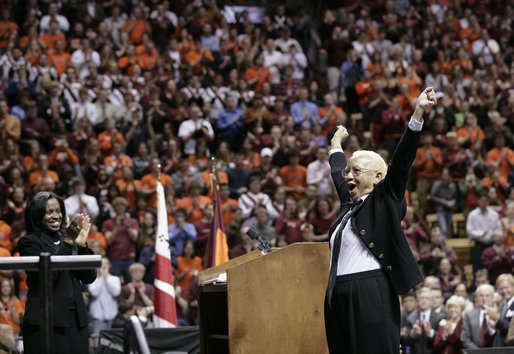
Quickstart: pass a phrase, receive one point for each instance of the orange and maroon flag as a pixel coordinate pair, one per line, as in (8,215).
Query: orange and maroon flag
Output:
(216,251)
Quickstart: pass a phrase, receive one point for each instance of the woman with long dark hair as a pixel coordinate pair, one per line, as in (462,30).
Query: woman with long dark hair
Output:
(47,232)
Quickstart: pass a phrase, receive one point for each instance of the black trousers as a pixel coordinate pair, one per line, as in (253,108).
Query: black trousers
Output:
(70,339)
(364,317)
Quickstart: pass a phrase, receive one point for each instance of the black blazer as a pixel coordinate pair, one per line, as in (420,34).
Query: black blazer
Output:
(377,220)
(67,289)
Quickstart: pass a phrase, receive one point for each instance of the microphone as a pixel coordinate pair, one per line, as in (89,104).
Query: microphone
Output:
(255,235)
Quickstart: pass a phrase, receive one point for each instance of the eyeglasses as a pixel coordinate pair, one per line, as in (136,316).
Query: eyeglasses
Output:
(356,171)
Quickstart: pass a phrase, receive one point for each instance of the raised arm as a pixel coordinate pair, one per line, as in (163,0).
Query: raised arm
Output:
(337,162)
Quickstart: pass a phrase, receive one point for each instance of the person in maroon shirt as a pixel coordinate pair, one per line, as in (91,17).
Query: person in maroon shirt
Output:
(33,127)
(455,157)
(393,120)
(246,246)
(498,258)
(203,230)
(288,222)
(430,255)
(412,230)
(121,234)
(378,102)
(322,216)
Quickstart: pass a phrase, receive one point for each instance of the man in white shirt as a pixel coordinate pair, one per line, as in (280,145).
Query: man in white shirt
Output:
(318,173)
(103,304)
(272,60)
(297,59)
(64,25)
(482,222)
(83,56)
(485,47)
(80,202)
(192,129)
(371,261)
(83,108)
(255,198)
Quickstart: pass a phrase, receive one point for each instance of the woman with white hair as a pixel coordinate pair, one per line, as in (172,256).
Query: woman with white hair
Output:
(447,340)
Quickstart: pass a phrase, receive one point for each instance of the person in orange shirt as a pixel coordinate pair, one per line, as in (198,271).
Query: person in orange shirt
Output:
(96,235)
(294,175)
(227,204)
(221,177)
(52,36)
(7,27)
(5,236)
(108,136)
(148,56)
(428,164)
(127,62)
(501,156)
(36,178)
(129,187)
(149,183)
(136,26)
(328,114)
(188,266)
(198,56)
(11,307)
(258,74)
(470,132)
(194,203)
(59,59)
(115,162)
(62,154)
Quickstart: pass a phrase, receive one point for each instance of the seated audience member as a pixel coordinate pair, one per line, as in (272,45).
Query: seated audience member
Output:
(323,214)
(180,231)
(36,178)
(121,234)
(462,291)
(422,324)
(268,232)
(447,339)
(480,225)
(413,230)
(103,304)
(477,331)
(505,286)
(501,156)
(430,255)
(498,258)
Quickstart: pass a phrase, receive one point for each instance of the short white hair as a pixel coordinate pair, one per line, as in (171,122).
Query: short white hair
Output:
(376,162)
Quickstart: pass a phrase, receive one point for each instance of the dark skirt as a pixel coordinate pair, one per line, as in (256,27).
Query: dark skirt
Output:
(364,316)
(70,339)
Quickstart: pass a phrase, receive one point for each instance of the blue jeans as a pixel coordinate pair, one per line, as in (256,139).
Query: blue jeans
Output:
(444,218)
(99,325)
(121,269)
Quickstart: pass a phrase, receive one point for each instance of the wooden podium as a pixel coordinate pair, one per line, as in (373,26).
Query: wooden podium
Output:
(269,304)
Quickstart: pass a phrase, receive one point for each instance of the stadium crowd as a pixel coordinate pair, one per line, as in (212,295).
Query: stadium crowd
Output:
(100,97)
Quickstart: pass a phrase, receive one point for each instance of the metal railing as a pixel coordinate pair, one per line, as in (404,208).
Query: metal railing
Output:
(45,263)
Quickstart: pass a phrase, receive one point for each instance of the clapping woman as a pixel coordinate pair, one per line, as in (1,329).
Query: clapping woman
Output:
(47,232)
(447,340)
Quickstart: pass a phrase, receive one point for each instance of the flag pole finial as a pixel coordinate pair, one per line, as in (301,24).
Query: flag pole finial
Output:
(159,173)
(213,165)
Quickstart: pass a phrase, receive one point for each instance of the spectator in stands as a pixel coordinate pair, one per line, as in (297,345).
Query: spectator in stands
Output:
(230,123)
(476,325)
(238,176)
(304,112)
(501,156)
(450,275)
(422,325)
(447,339)
(455,157)
(430,255)
(10,127)
(80,202)
(481,223)
(505,286)
(136,292)
(413,230)
(12,308)
(103,305)
(294,175)
(245,246)
(498,258)
(188,266)
(121,233)
(192,129)
(288,223)
(180,231)
(318,173)
(444,195)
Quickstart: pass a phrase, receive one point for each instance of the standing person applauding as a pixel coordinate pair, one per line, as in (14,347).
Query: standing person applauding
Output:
(46,232)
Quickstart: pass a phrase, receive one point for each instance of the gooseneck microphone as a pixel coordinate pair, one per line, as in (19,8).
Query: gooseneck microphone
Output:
(255,235)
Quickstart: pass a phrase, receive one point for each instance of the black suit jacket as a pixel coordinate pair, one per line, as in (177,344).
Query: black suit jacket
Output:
(416,342)
(67,289)
(502,327)
(377,220)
